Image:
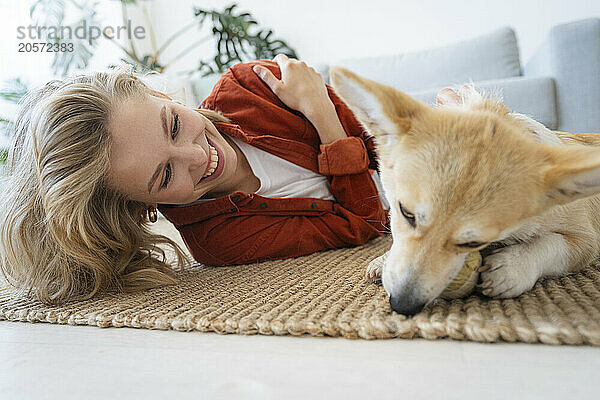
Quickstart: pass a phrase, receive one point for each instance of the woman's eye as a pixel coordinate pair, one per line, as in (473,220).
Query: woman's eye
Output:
(410,217)
(167,176)
(175,126)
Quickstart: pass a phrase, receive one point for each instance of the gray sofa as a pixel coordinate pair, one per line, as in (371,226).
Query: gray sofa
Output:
(559,86)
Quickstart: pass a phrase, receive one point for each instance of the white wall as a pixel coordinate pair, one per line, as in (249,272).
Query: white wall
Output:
(35,67)
(324,31)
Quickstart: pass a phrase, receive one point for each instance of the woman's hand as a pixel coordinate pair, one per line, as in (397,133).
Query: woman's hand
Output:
(301,88)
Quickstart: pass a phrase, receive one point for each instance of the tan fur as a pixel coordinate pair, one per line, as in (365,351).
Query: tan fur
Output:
(473,173)
(591,139)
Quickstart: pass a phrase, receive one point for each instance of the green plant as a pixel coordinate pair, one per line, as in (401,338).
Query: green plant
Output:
(235,41)
(236,35)
(51,13)
(12,92)
(5,125)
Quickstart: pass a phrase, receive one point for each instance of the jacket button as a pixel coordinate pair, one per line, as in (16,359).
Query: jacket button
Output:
(263,205)
(235,198)
(314,205)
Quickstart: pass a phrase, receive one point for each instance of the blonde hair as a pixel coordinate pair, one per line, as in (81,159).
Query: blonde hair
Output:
(64,233)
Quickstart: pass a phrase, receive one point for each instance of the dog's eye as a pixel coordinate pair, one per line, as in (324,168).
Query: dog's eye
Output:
(410,217)
(471,245)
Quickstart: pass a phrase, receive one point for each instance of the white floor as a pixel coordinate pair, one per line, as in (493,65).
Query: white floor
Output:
(46,361)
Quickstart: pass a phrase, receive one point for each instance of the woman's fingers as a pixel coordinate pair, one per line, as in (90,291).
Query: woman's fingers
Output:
(280,58)
(300,88)
(284,61)
(268,78)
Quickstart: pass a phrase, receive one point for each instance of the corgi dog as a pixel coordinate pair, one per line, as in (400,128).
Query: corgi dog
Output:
(475,177)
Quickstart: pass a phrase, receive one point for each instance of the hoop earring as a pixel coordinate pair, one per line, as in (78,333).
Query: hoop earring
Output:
(152,215)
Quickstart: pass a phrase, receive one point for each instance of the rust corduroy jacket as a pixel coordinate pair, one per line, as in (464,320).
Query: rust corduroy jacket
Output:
(244,227)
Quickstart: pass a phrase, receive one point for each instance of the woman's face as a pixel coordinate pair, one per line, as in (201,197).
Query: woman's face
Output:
(164,152)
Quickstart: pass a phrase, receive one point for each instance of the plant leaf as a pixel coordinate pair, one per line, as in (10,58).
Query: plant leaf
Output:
(235,42)
(47,13)
(13,91)
(3,156)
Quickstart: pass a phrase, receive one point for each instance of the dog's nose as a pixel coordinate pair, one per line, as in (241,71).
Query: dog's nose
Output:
(405,305)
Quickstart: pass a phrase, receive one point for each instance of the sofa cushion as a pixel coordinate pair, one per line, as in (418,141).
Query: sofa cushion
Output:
(491,56)
(534,97)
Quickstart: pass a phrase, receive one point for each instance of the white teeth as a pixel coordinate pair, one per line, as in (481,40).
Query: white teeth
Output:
(214,161)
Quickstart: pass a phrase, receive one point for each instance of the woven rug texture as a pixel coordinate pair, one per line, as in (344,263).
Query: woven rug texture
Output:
(326,294)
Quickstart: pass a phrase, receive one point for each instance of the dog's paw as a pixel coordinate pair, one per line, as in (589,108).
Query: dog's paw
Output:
(507,273)
(373,271)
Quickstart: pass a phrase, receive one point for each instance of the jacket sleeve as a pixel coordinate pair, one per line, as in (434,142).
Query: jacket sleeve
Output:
(241,95)
(231,240)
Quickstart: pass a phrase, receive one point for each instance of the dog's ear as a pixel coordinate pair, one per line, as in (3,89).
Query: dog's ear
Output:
(382,110)
(572,172)
(448,97)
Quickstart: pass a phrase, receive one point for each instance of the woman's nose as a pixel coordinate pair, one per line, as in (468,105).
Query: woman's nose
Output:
(193,155)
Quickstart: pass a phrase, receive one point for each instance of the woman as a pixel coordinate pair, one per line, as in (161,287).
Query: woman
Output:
(281,170)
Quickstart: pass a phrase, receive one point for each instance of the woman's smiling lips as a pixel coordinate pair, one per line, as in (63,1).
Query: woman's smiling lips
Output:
(208,157)
(219,167)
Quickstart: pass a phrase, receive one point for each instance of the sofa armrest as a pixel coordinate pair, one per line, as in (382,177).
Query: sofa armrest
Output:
(571,55)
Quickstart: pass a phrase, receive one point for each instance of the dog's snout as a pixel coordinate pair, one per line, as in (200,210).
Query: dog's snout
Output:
(405,305)
(404,288)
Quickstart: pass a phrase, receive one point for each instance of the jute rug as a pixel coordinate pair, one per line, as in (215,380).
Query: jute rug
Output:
(325,294)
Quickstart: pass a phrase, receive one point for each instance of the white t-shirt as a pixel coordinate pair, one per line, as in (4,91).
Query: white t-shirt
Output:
(280,178)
